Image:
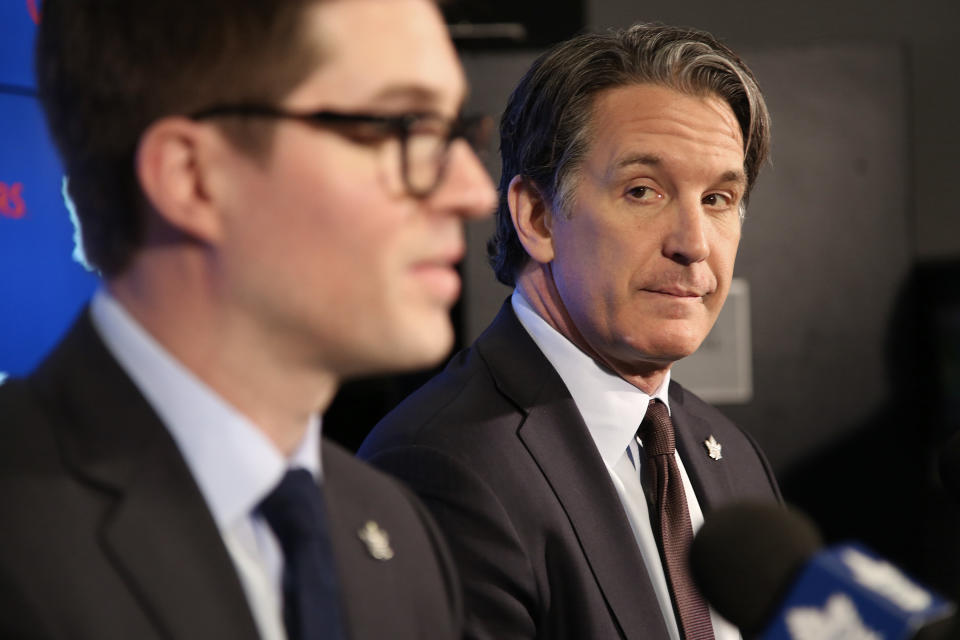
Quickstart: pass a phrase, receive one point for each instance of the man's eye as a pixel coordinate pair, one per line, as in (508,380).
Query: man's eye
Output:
(643,193)
(718,200)
(369,132)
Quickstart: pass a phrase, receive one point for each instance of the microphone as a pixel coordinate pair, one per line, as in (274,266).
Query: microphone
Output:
(763,568)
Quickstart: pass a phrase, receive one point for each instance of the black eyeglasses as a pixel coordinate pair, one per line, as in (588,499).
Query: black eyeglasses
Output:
(425,138)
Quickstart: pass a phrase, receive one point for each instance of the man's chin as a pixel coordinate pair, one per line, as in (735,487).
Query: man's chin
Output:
(663,355)
(422,347)
(675,353)
(683,341)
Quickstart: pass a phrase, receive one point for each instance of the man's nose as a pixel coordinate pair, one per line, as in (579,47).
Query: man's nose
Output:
(685,240)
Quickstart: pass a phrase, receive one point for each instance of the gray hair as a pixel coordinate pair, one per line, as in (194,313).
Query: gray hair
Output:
(544,131)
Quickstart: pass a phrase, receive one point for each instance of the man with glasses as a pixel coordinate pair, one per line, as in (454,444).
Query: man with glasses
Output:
(274,194)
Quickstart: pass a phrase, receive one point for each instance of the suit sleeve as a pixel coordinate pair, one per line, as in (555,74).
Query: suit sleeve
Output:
(500,592)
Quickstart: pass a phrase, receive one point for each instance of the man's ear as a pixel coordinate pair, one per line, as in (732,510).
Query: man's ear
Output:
(532,218)
(171,165)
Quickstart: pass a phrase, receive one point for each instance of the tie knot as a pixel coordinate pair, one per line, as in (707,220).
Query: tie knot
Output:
(295,510)
(656,430)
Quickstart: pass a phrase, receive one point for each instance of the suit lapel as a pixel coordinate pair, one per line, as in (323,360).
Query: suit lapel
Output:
(158,532)
(557,438)
(710,478)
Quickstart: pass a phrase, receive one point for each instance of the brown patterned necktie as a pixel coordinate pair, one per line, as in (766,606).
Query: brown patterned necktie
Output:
(671,520)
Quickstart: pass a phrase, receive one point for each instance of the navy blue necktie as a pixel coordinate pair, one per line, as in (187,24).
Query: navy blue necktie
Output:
(311,603)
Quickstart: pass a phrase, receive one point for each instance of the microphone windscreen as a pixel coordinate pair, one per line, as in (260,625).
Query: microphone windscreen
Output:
(745,557)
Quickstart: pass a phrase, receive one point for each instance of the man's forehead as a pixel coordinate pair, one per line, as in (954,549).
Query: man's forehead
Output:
(651,101)
(632,159)
(649,111)
(384,53)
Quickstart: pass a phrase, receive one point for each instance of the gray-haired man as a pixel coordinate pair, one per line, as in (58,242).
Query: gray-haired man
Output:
(627,161)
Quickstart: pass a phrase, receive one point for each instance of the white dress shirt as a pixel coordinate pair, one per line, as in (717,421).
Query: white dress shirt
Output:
(613,409)
(232,461)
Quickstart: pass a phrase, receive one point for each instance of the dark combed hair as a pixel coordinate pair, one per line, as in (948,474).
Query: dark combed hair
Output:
(544,131)
(107,69)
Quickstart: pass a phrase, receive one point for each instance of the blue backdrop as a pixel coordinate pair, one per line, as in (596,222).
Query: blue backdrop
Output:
(42,286)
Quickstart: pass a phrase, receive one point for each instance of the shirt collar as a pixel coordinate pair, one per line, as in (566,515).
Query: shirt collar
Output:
(233,462)
(611,407)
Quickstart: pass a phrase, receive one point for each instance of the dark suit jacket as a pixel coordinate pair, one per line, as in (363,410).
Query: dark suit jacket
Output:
(105,535)
(498,451)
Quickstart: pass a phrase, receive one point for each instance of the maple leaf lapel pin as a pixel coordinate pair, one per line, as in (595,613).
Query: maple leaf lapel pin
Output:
(713,448)
(376,540)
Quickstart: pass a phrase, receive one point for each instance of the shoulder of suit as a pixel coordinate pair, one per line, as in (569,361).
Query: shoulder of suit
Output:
(30,453)
(449,396)
(22,412)
(342,471)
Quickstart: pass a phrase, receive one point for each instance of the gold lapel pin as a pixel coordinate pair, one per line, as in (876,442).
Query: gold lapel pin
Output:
(713,447)
(377,541)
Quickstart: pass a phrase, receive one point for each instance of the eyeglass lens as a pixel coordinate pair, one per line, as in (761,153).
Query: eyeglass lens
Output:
(426,152)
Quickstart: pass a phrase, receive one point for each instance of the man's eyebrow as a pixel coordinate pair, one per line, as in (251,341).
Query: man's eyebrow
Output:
(653,160)
(734,176)
(647,159)
(414,96)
